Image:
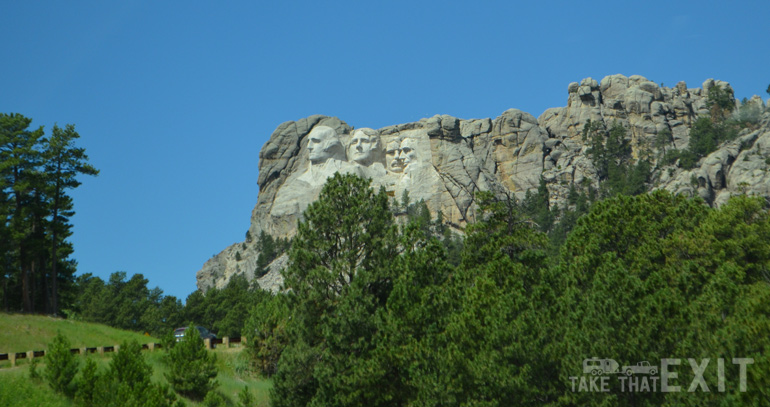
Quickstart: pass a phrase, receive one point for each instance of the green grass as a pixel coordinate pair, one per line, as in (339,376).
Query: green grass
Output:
(17,390)
(21,333)
(233,375)
(35,332)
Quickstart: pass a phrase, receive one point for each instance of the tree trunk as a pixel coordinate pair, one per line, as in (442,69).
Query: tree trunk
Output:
(33,286)
(25,288)
(54,257)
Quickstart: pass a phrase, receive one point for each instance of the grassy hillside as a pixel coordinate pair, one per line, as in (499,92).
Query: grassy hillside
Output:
(21,333)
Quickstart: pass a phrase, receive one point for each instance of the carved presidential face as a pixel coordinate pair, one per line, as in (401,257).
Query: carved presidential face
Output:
(364,147)
(393,157)
(324,144)
(408,153)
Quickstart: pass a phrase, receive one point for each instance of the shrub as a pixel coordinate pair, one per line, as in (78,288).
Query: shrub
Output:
(192,369)
(214,399)
(34,374)
(687,159)
(87,384)
(127,382)
(167,340)
(266,330)
(245,398)
(747,114)
(61,364)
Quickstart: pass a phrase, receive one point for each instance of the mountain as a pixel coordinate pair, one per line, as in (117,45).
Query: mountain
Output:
(445,160)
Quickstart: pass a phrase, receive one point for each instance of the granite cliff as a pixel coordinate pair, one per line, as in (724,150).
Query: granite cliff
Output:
(445,160)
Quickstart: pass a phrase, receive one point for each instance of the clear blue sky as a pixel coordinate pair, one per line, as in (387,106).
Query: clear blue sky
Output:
(174,100)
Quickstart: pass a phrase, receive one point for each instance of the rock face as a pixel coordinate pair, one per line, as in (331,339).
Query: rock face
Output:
(445,160)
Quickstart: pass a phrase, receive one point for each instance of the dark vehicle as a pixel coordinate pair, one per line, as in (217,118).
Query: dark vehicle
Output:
(205,334)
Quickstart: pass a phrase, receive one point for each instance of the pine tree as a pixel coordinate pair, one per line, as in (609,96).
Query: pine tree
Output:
(127,382)
(64,162)
(266,328)
(192,369)
(339,275)
(87,384)
(61,364)
(20,160)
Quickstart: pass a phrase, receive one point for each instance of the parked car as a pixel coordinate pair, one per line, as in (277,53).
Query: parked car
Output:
(205,333)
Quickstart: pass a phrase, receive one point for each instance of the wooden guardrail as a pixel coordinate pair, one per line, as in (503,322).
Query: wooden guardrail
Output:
(210,344)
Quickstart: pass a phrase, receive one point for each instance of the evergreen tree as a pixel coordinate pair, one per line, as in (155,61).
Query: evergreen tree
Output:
(537,207)
(411,348)
(500,318)
(339,275)
(195,307)
(64,162)
(266,332)
(269,249)
(86,387)
(127,382)
(192,369)
(61,365)
(20,160)
(228,313)
(127,300)
(610,152)
(245,398)
(720,102)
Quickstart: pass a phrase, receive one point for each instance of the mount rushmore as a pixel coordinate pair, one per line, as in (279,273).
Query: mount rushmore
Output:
(445,160)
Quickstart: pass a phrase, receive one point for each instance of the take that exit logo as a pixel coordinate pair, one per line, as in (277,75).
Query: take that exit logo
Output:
(599,374)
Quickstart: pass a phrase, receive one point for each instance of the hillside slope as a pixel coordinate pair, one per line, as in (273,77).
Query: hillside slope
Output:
(20,333)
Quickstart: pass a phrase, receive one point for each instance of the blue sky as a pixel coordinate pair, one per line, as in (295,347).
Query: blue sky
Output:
(174,100)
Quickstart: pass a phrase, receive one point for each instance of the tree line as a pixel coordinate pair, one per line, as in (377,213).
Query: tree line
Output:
(37,173)
(128,303)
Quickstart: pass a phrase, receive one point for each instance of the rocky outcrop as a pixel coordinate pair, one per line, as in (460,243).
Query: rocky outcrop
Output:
(445,160)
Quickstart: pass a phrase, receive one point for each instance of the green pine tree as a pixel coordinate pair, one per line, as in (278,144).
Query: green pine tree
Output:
(339,275)
(20,178)
(63,163)
(192,369)
(127,382)
(61,365)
